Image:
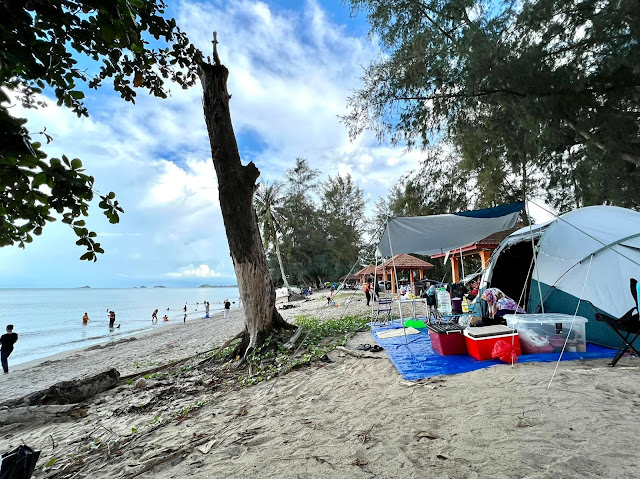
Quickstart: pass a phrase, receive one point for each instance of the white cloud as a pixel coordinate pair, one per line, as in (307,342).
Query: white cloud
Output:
(202,271)
(291,72)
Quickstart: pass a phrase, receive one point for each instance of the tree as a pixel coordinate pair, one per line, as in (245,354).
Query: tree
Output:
(343,209)
(236,186)
(573,68)
(268,201)
(41,45)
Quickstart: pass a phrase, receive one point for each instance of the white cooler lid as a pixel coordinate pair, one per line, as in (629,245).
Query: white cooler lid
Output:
(542,318)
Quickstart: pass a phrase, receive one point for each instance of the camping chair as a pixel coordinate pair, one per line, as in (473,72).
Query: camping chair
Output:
(384,309)
(628,326)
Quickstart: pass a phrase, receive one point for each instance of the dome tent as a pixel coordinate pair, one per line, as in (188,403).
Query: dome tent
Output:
(589,253)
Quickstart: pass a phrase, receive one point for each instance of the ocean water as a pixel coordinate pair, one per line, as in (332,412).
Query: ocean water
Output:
(49,321)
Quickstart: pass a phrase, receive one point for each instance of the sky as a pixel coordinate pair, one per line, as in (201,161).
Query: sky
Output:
(292,63)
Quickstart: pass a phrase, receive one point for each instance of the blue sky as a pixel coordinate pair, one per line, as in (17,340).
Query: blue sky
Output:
(292,66)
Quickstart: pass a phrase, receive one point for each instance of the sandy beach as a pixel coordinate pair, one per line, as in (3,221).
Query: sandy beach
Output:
(352,417)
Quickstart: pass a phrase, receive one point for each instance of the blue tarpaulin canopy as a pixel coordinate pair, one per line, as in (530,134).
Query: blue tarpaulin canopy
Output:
(438,234)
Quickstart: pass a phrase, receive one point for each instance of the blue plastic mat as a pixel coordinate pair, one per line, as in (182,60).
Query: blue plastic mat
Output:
(416,358)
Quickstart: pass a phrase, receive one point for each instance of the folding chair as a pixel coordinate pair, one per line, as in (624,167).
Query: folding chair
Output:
(628,326)
(384,309)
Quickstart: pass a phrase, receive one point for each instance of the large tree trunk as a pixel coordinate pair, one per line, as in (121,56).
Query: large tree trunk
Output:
(236,185)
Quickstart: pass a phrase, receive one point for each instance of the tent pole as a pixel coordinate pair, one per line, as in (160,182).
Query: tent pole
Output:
(375,279)
(535,261)
(462,262)
(395,273)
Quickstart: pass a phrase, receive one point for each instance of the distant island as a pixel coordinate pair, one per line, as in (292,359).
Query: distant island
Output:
(218,286)
(82,287)
(160,286)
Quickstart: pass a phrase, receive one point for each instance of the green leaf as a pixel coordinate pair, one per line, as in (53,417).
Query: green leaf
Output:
(76,95)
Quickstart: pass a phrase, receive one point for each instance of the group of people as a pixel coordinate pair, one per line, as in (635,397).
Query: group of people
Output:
(368,290)
(207,306)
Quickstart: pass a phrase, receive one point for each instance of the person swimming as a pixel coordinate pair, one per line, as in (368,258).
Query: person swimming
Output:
(85,318)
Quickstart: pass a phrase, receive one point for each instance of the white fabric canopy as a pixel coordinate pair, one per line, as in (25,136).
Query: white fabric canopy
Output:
(438,234)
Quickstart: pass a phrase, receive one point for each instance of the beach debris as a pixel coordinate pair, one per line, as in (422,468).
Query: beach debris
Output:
(141,383)
(358,354)
(526,422)
(242,411)
(359,462)
(205,448)
(70,392)
(427,435)
(442,456)
(245,436)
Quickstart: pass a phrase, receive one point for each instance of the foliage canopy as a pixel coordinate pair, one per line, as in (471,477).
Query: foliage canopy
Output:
(53,46)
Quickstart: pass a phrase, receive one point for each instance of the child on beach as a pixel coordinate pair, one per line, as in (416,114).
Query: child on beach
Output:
(154,317)
(206,309)
(227,307)
(166,318)
(6,347)
(85,318)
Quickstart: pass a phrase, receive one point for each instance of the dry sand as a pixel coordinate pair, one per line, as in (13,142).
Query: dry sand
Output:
(353,417)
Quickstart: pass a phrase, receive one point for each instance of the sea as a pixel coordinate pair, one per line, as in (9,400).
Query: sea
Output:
(49,321)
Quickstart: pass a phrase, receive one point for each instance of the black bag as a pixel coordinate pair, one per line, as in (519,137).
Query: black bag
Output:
(19,463)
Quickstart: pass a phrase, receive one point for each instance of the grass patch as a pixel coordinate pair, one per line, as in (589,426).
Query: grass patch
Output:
(318,338)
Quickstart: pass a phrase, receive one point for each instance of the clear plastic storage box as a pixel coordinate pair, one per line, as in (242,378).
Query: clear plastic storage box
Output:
(547,332)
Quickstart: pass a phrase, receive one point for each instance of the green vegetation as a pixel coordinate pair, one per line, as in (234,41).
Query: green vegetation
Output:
(511,100)
(117,36)
(317,226)
(318,338)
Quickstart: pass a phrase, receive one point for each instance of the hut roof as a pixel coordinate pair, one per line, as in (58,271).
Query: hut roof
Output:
(407,262)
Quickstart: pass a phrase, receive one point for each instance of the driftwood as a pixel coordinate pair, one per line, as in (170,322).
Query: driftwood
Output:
(359,354)
(294,339)
(56,412)
(69,392)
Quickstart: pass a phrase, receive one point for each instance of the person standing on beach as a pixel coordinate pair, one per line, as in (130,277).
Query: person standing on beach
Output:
(227,307)
(154,317)
(367,293)
(185,318)
(85,318)
(7,341)
(206,309)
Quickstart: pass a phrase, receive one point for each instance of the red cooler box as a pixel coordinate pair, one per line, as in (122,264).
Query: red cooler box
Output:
(480,340)
(447,339)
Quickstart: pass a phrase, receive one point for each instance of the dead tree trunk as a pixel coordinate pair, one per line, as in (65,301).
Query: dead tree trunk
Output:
(236,185)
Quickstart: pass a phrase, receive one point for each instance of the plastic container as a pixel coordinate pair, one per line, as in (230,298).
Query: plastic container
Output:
(480,341)
(456,305)
(465,305)
(444,301)
(545,333)
(447,340)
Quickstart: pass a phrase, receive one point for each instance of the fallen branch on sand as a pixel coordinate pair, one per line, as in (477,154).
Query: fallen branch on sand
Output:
(168,456)
(55,412)
(69,392)
(359,354)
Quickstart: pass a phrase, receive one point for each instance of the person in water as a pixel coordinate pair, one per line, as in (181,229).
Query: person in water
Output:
(112,319)
(154,317)
(85,318)
(227,307)
(166,318)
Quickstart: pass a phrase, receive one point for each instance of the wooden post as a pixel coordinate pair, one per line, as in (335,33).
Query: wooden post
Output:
(393,283)
(421,274)
(454,269)
(484,257)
